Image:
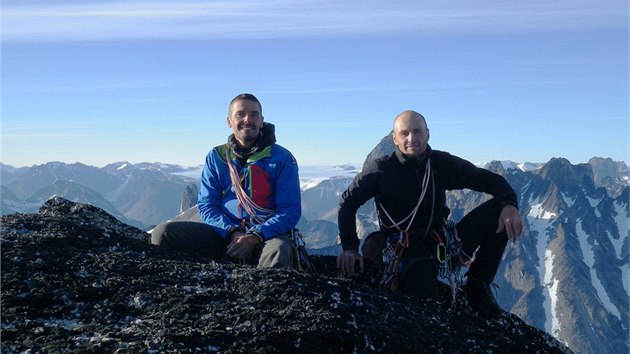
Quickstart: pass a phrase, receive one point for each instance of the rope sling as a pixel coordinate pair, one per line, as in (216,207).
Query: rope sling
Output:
(449,254)
(302,260)
(397,243)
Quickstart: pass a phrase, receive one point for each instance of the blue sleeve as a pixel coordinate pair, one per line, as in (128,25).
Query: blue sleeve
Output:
(288,208)
(209,199)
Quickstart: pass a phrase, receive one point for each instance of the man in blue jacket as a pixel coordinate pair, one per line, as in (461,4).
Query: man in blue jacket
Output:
(249,197)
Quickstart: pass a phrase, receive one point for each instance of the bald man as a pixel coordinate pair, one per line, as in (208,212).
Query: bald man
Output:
(409,189)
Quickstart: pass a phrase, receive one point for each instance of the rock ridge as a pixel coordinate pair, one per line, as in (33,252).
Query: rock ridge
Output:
(76,280)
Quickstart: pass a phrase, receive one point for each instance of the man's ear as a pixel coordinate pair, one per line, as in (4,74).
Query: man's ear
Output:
(428,135)
(228,122)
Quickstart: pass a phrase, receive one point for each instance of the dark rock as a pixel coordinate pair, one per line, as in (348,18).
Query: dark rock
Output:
(76,280)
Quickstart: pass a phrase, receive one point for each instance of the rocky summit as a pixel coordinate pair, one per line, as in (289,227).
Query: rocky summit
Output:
(76,280)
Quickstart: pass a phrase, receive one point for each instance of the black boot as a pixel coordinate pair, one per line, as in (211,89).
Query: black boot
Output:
(480,298)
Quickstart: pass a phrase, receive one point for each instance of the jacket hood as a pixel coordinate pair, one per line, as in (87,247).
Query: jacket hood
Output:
(268,135)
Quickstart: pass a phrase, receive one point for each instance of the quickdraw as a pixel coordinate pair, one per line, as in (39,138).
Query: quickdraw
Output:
(450,256)
(302,261)
(392,256)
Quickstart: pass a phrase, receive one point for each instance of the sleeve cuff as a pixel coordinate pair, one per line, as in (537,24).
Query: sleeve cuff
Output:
(257,234)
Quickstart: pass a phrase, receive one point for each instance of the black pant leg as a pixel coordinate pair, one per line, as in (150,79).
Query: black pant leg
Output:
(420,270)
(191,237)
(419,278)
(478,229)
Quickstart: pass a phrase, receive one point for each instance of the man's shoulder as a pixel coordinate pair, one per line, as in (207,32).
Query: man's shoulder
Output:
(439,154)
(444,156)
(280,151)
(220,150)
(380,163)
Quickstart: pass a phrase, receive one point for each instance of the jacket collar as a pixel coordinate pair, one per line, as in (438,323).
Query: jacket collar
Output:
(411,161)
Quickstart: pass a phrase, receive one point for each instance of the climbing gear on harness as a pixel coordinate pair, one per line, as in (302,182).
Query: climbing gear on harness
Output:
(392,256)
(302,261)
(398,242)
(450,256)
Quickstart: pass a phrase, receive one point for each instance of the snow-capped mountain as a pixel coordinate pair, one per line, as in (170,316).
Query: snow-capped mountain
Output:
(312,175)
(141,195)
(568,275)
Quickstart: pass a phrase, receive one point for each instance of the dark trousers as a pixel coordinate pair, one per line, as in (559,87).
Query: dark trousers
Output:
(477,230)
(200,239)
(191,237)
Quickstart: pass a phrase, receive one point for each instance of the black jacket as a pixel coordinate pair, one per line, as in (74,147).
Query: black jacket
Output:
(395,183)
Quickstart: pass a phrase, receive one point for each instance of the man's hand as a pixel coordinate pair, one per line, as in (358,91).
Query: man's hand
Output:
(346,261)
(510,221)
(242,246)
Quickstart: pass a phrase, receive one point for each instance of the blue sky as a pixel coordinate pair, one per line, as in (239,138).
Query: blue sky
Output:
(144,81)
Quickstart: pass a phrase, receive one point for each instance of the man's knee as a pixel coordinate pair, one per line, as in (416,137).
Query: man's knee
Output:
(276,252)
(373,246)
(157,233)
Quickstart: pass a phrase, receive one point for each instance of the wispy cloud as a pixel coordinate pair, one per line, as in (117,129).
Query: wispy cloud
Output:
(115,20)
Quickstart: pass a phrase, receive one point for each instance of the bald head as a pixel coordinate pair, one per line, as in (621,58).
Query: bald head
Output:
(411,134)
(406,116)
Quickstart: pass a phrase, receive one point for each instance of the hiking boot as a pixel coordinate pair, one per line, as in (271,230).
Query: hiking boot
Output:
(480,298)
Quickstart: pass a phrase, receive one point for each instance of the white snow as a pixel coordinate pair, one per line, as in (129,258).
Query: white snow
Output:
(193,173)
(312,175)
(594,203)
(567,200)
(623,226)
(589,258)
(551,284)
(122,166)
(540,222)
(538,212)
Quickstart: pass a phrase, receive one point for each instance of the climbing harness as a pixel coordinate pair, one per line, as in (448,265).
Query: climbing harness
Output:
(398,242)
(449,253)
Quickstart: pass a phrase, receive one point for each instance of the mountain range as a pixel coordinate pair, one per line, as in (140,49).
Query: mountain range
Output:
(568,275)
(140,195)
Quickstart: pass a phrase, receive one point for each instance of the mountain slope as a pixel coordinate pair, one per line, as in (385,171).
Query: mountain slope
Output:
(145,194)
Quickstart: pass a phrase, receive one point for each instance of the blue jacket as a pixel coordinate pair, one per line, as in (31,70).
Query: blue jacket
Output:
(271,180)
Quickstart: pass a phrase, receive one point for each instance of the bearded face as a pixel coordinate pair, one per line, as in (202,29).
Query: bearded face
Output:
(246,121)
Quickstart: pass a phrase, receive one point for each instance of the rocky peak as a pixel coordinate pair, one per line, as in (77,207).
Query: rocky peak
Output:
(496,167)
(563,173)
(76,280)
